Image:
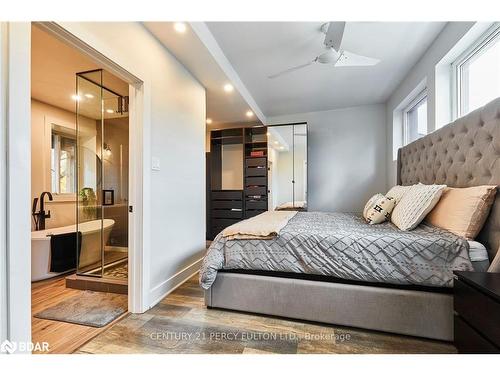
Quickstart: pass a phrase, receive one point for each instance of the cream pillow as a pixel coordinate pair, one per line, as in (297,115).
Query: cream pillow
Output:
(397,192)
(415,204)
(378,209)
(463,211)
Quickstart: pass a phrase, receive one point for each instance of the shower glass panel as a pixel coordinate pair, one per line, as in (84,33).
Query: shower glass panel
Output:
(89,214)
(115,182)
(102,143)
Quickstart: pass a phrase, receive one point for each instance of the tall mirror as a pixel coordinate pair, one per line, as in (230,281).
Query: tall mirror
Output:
(287,167)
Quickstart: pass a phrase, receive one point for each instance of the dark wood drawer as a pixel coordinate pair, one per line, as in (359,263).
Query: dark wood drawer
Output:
(256,162)
(262,181)
(227,204)
(255,171)
(227,214)
(468,340)
(477,309)
(256,204)
(256,190)
(252,213)
(227,194)
(224,222)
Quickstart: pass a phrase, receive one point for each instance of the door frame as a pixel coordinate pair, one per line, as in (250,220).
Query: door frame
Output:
(136,265)
(15,176)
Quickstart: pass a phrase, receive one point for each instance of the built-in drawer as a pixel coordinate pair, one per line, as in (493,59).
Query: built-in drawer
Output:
(227,194)
(252,213)
(234,213)
(227,204)
(218,225)
(472,306)
(256,204)
(224,222)
(469,341)
(256,162)
(255,171)
(262,181)
(256,190)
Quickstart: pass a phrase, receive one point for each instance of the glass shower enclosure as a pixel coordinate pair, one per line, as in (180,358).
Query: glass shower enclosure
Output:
(96,107)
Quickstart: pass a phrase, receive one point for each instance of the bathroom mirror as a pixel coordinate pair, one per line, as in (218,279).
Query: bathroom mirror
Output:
(287,165)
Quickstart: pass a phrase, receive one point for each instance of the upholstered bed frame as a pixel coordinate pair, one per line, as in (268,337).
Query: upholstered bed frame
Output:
(462,154)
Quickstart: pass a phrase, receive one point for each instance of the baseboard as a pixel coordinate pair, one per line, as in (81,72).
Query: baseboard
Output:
(168,286)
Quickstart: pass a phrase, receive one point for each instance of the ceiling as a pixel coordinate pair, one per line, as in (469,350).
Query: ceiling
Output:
(222,107)
(54,65)
(258,49)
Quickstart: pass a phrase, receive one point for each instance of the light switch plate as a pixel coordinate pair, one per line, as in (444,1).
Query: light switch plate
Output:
(155,163)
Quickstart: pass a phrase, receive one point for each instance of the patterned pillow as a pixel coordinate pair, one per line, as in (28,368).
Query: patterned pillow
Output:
(378,209)
(415,204)
(397,192)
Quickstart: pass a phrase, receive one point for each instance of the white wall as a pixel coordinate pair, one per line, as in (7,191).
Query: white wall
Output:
(433,70)
(15,246)
(346,156)
(174,131)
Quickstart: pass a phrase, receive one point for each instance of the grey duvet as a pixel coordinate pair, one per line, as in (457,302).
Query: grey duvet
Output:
(344,246)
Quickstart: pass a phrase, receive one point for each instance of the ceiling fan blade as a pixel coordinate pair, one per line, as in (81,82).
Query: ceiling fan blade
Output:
(334,35)
(351,59)
(290,70)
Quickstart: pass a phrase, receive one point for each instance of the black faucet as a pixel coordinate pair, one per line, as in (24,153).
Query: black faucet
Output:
(40,216)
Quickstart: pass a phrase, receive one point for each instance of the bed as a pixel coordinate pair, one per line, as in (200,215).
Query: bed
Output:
(375,285)
(292,206)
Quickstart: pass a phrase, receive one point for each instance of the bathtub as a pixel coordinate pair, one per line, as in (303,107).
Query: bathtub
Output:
(90,251)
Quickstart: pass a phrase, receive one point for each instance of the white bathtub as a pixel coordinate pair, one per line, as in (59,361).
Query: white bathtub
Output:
(90,251)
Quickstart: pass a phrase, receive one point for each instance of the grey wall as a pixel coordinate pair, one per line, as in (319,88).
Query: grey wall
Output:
(433,71)
(346,159)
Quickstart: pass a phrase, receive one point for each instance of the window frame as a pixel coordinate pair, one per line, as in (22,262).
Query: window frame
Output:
(418,99)
(459,85)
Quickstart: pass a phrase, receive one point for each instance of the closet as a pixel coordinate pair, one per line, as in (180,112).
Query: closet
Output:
(237,176)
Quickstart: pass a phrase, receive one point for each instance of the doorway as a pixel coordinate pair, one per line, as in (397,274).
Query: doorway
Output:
(80,171)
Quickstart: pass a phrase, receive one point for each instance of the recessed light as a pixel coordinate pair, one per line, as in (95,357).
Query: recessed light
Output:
(282,148)
(89,96)
(180,27)
(208,120)
(249,114)
(276,142)
(268,134)
(76,98)
(110,110)
(228,87)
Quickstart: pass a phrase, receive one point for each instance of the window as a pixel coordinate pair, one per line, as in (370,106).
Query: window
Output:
(477,73)
(63,163)
(415,118)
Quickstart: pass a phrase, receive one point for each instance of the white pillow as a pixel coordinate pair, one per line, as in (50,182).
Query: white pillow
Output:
(415,204)
(378,209)
(397,192)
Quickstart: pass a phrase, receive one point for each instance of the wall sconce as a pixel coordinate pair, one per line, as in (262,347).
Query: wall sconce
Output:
(107,149)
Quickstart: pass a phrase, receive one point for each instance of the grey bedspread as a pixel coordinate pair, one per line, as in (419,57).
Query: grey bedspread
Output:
(344,246)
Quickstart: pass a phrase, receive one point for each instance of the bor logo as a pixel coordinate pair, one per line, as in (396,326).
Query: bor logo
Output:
(8,347)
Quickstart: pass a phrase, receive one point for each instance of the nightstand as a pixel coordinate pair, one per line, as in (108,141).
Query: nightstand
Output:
(477,312)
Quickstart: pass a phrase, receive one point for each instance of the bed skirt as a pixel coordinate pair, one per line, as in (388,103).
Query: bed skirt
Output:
(408,312)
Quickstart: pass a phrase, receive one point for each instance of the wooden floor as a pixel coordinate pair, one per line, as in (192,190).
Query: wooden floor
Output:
(62,337)
(181,323)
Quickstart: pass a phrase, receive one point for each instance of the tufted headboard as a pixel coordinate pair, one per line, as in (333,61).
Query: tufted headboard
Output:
(461,154)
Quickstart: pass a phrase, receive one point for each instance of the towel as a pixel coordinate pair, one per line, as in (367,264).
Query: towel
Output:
(63,251)
(262,227)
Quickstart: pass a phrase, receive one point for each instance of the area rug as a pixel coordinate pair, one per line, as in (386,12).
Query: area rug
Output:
(94,309)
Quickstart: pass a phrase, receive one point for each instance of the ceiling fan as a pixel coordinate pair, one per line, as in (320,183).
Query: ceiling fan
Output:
(334,54)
